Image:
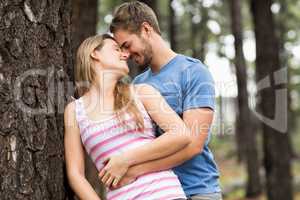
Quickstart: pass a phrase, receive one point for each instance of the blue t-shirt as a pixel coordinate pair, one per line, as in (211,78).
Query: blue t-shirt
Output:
(186,83)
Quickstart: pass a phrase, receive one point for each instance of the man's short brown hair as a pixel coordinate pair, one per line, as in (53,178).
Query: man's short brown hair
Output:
(129,16)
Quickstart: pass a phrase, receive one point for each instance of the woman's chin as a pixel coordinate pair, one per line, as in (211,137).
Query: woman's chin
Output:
(125,70)
(123,73)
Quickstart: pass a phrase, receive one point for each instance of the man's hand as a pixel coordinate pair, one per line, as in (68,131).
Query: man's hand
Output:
(126,180)
(115,168)
(130,176)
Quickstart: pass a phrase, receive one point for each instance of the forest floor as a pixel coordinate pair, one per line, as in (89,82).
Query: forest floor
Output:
(233,178)
(233,175)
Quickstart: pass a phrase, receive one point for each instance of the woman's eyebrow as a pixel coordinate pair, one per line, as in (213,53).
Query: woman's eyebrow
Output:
(116,46)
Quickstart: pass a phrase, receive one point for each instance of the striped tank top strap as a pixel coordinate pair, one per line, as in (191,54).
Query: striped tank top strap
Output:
(137,100)
(142,107)
(80,115)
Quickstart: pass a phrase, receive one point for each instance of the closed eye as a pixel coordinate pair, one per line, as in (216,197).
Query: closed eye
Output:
(125,45)
(117,48)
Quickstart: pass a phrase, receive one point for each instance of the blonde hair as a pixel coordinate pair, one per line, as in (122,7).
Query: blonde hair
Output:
(85,76)
(130,16)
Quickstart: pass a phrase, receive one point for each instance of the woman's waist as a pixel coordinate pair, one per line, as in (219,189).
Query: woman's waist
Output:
(162,183)
(101,153)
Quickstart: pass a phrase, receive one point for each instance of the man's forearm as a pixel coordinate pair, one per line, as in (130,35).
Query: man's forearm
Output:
(164,163)
(165,145)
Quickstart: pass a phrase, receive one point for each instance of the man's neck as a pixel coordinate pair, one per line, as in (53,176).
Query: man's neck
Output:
(162,55)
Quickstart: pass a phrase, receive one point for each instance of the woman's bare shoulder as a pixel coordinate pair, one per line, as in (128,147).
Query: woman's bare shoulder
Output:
(70,107)
(69,113)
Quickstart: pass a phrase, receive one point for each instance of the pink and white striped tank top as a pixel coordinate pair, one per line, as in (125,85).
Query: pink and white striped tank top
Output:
(102,139)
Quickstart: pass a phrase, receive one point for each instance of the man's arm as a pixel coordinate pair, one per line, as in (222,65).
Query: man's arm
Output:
(175,138)
(198,94)
(198,120)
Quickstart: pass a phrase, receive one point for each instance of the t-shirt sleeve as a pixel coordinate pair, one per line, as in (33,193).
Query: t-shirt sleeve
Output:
(199,88)
(136,80)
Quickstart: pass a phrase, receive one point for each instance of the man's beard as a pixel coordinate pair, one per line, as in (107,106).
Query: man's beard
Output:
(147,55)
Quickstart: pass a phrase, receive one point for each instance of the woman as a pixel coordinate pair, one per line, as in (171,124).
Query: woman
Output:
(112,121)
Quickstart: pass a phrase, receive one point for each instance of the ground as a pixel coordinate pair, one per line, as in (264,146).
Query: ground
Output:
(233,174)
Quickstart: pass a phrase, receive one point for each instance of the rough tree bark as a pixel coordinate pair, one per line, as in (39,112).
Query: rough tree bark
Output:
(84,24)
(245,131)
(277,155)
(35,51)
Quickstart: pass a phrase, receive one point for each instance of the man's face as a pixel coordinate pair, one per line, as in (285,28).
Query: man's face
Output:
(136,46)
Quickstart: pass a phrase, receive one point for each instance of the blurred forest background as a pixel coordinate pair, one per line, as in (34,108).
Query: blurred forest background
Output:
(252,49)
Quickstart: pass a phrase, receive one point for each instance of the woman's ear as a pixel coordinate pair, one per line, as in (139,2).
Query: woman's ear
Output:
(95,55)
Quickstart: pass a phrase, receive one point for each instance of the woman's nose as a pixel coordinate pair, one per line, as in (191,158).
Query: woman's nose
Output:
(125,55)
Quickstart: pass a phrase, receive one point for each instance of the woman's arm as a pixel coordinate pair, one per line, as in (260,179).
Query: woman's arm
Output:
(74,155)
(175,138)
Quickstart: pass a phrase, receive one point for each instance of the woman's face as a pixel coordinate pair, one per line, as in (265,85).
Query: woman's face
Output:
(111,58)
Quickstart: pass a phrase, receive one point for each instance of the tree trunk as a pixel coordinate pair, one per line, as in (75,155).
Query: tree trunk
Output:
(152,4)
(35,50)
(245,133)
(203,33)
(193,29)
(283,29)
(275,136)
(84,24)
(172,27)
(199,31)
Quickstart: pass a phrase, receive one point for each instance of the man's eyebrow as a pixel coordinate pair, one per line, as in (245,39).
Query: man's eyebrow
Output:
(122,45)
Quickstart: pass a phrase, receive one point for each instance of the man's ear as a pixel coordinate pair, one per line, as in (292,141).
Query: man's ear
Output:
(146,28)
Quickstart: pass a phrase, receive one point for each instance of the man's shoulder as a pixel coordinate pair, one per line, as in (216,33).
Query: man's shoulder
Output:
(194,67)
(141,77)
(187,63)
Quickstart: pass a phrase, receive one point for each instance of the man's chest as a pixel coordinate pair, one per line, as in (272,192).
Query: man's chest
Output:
(171,89)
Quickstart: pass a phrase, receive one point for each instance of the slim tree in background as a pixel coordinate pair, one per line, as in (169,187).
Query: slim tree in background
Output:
(277,157)
(152,4)
(35,50)
(199,30)
(283,29)
(172,27)
(245,131)
(204,32)
(84,24)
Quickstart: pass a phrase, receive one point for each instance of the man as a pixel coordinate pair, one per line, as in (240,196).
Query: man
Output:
(188,88)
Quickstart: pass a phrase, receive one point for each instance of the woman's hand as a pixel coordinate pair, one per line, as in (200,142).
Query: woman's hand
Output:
(114,170)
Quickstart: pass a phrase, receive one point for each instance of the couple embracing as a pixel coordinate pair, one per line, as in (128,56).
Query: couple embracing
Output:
(148,140)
